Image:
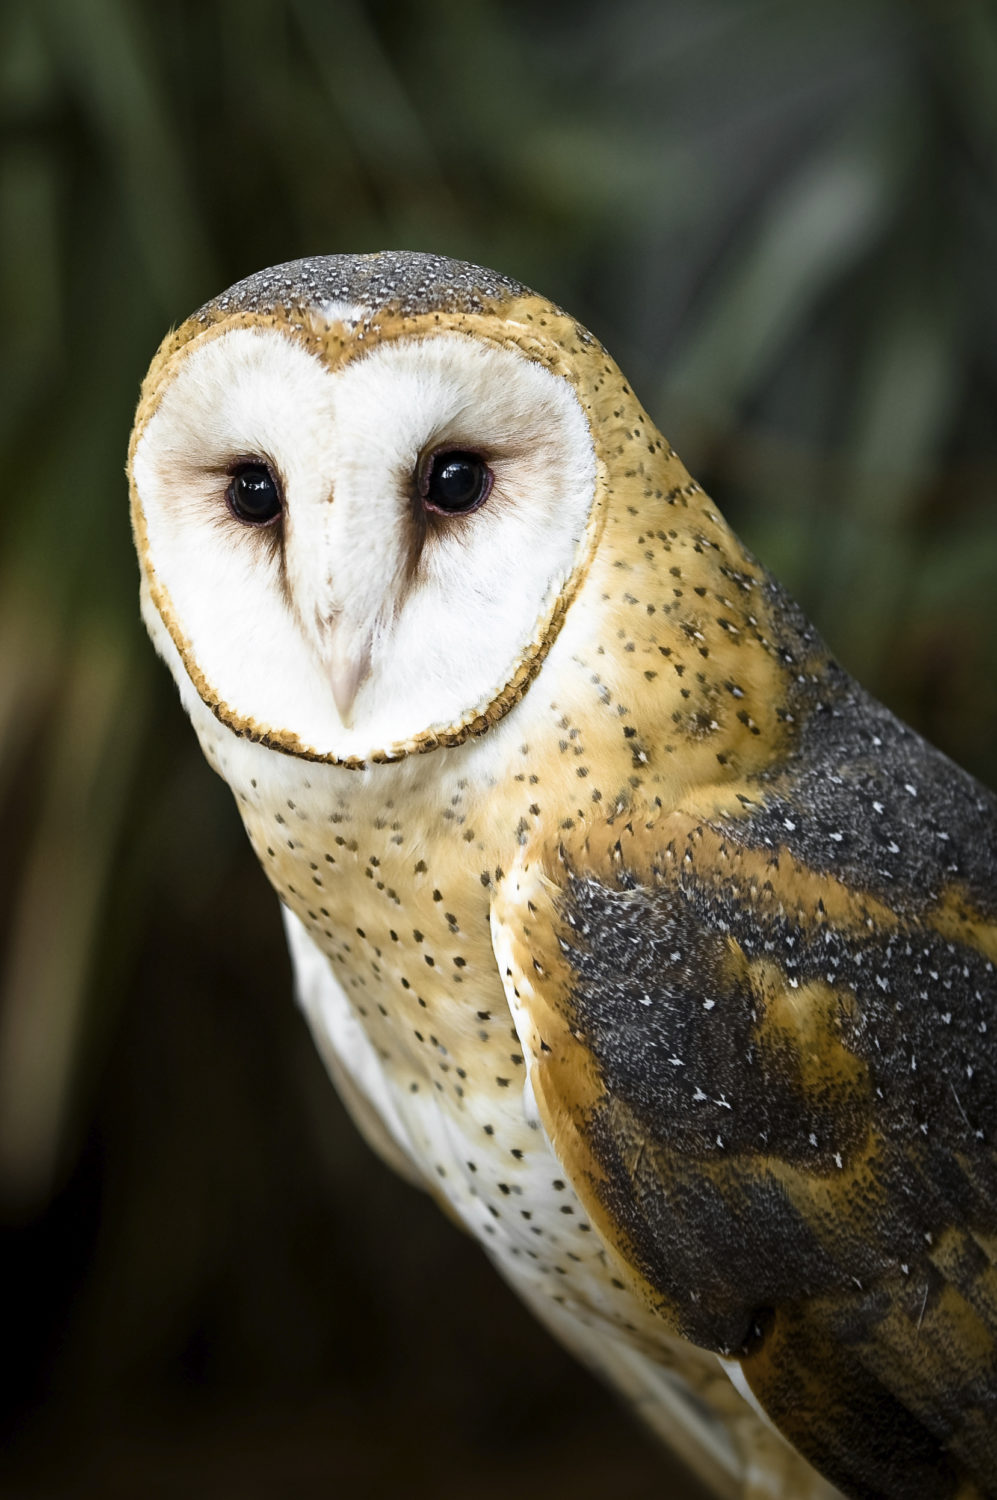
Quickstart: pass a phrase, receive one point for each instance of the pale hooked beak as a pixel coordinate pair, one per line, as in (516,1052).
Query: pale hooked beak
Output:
(349,667)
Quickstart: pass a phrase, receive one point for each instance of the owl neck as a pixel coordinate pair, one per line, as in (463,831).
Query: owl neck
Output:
(679,665)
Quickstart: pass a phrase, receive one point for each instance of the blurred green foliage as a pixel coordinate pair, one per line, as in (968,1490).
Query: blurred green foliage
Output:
(782,220)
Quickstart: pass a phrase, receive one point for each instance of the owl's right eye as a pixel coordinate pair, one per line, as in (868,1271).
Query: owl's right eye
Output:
(254,496)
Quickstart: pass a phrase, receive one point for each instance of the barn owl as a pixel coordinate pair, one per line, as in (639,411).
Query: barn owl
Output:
(627,924)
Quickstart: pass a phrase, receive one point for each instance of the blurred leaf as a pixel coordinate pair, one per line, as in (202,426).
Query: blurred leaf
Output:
(89,764)
(813,231)
(107,64)
(30,276)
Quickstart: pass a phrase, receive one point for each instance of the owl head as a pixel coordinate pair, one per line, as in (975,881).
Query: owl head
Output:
(365,491)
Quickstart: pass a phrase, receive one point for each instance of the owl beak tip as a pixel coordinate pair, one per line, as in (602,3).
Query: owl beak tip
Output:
(347,674)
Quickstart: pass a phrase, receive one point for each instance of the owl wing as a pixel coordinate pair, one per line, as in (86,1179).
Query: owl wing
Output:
(762,1051)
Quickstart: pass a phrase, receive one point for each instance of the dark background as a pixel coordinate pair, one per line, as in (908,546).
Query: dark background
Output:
(782,220)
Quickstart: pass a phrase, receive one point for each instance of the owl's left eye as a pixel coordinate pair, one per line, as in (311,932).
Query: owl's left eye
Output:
(253,495)
(456,482)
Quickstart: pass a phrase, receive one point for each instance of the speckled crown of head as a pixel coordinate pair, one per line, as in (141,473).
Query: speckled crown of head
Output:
(412,281)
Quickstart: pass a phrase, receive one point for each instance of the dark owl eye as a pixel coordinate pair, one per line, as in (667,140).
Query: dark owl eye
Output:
(253,495)
(456,483)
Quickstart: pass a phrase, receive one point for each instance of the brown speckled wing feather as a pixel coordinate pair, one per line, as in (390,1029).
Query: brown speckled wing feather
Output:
(761,1044)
